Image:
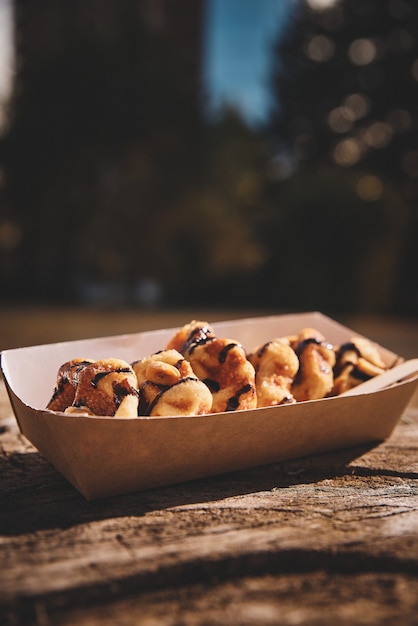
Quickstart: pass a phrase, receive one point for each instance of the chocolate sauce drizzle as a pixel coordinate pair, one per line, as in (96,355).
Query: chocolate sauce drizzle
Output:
(145,408)
(341,366)
(347,347)
(121,370)
(197,337)
(233,402)
(213,385)
(263,348)
(224,352)
(299,351)
(64,380)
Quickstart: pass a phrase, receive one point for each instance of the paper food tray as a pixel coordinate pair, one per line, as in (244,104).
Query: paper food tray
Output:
(103,456)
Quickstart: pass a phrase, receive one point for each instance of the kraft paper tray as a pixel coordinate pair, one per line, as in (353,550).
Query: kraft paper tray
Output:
(103,456)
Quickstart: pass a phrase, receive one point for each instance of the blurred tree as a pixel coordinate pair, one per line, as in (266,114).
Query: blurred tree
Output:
(330,250)
(103,137)
(209,238)
(346,135)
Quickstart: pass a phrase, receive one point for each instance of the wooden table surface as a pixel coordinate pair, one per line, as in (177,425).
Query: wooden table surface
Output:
(330,539)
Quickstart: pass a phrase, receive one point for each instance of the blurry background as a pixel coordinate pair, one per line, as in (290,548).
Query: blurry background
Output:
(199,153)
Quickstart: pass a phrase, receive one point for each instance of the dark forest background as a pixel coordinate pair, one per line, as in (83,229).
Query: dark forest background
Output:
(117,188)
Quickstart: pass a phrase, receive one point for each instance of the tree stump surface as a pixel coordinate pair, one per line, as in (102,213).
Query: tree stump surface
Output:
(329,539)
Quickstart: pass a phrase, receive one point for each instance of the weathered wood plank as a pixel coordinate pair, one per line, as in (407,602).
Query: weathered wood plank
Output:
(352,515)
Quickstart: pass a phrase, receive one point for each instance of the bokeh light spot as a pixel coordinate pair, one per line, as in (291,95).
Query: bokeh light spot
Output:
(320,5)
(10,235)
(369,188)
(362,51)
(347,152)
(320,48)
(341,119)
(399,120)
(377,135)
(358,103)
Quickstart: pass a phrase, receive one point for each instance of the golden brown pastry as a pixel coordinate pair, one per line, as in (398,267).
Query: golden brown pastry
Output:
(356,361)
(276,365)
(305,334)
(195,332)
(66,384)
(186,397)
(315,377)
(199,373)
(163,368)
(223,366)
(169,387)
(107,387)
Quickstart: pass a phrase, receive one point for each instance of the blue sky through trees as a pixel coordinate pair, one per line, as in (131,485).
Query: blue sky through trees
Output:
(237,53)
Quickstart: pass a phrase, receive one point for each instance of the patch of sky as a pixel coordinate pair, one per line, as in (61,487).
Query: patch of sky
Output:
(238,54)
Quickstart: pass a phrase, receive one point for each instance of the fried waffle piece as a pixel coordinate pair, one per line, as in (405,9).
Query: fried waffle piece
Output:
(276,365)
(315,376)
(356,361)
(220,363)
(223,366)
(193,333)
(165,367)
(169,387)
(66,384)
(106,387)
